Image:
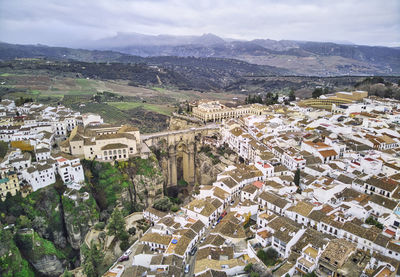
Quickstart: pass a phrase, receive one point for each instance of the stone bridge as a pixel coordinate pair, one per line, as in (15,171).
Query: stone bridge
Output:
(181,146)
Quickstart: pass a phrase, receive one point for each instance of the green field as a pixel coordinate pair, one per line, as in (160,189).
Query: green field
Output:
(85,84)
(108,112)
(161,109)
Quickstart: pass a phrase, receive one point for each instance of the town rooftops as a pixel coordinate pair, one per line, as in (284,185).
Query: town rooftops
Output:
(383,201)
(317,145)
(156,212)
(284,228)
(274,199)
(114,146)
(156,238)
(337,252)
(382,184)
(42,150)
(250,188)
(302,208)
(202,207)
(229,182)
(197,226)
(328,153)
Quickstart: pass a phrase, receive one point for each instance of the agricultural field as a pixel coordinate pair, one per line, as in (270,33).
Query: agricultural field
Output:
(162,109)
(116,101)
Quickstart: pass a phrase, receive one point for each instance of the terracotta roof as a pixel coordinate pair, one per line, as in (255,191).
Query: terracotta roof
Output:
(274,199)
(327,153)
(114,146)
(156,238)
(302,208)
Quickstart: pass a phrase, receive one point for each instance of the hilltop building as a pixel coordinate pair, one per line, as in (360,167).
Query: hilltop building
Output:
(102,142)
(9,183)
(338,99)
(215,111)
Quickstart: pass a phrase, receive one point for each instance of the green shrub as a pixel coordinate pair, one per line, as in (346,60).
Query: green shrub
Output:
(174,208)
(182,183)
(132,231)
(124,245)
(99,226)
(163,204)
(269,257)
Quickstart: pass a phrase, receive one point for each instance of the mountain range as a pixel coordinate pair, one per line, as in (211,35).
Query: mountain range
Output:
(302,58)
(299,57)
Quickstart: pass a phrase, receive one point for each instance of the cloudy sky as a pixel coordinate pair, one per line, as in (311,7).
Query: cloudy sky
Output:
(70,22)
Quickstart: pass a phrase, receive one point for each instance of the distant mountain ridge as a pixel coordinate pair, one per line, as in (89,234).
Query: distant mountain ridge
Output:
(183,72)
(303,58)
(300,57)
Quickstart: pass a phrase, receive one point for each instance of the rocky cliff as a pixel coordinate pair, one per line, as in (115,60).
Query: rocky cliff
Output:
(49,265)
(80,213)
(178,122)
(210,163)
(148,181)
(11,261)
(41,253)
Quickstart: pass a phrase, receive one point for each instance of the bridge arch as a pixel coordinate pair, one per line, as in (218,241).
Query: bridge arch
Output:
(181,146)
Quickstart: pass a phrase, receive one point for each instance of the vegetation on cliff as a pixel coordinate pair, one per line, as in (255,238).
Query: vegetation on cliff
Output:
(49,224)
(11,262)
(106,183)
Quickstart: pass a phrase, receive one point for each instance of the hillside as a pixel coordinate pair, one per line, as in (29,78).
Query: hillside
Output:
(302,58)
(180,72)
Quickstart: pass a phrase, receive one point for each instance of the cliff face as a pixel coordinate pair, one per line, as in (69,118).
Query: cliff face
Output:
(47,214)
(79,215)
(11,261)
(148,181)
(49,265)
(41,253)
(210,164)
(179,123)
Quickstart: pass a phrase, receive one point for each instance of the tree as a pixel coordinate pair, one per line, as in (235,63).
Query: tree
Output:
(248,267)
(97,98)
(67,274)
(292,96)
(269,257)
(163,204)
(317,92)
(132,231)
(93,258)
(271,253)
(23,222)
(297,177)
(116,225)
(3,149)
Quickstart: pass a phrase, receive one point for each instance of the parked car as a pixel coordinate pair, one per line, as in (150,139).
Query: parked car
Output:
(128,252)
(187,268)
(123,258)
(202,239)
(193,251)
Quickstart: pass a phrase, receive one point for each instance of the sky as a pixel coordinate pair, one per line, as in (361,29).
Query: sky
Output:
(72,22)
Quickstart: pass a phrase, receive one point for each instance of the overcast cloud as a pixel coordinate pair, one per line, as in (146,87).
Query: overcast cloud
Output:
(70,22)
